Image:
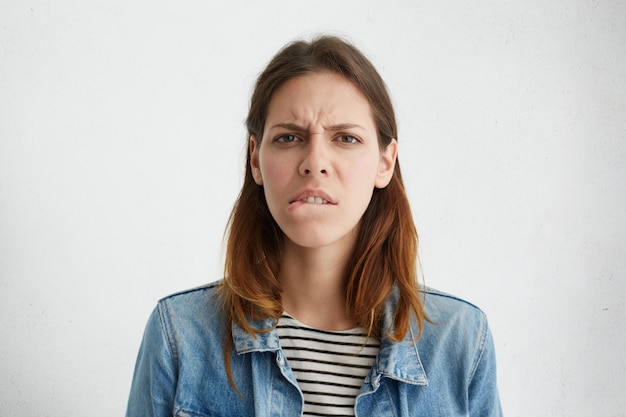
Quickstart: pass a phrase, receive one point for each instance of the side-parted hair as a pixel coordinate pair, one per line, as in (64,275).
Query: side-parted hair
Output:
(386,248)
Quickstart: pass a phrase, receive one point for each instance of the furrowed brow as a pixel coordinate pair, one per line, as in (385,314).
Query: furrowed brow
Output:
(334,128)
(289,126)
(344,126)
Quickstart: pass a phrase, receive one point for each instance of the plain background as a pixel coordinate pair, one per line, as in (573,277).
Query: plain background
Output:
(121,154)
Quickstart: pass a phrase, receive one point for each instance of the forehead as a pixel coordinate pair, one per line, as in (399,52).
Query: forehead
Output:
(319,98)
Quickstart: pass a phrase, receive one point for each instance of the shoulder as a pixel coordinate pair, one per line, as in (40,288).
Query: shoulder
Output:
(183,345)
(455,326)
(192,297)
(196,311)
(439,304)
(453,320)
(456,340)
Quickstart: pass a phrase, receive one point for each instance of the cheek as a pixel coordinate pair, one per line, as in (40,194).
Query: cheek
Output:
(276,174)
(359,188)
(363,172)
(272,170)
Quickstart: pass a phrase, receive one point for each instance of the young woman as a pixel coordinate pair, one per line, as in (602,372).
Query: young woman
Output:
(319,312)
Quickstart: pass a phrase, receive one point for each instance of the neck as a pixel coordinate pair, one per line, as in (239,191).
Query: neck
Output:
(313,282)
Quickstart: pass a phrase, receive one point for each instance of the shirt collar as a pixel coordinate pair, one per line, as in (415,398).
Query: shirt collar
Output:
(397,360)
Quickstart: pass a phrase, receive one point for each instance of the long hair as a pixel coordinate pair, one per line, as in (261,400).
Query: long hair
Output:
(386,250)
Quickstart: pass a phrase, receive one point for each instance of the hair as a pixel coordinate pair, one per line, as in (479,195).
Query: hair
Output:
(385,255)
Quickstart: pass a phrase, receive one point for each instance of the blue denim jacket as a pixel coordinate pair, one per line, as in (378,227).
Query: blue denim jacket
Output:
(450,371)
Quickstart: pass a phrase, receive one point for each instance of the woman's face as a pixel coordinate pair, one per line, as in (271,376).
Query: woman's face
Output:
(319,160)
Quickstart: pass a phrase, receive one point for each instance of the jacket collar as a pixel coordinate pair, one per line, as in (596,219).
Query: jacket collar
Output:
(266,338)
(397,360)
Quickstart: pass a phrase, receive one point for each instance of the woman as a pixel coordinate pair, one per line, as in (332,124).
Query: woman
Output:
(319,312)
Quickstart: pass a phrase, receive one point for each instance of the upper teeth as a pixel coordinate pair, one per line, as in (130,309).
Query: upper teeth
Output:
(315,200)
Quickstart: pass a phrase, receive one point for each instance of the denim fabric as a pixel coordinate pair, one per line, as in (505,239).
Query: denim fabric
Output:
(450,371)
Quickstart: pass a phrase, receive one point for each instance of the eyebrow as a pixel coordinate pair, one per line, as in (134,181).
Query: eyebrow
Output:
(334,128)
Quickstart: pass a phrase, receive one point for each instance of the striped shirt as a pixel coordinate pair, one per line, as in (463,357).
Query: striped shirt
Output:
(330,366)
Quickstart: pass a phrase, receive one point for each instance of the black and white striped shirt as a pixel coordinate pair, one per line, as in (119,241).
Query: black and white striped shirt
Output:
(329,366)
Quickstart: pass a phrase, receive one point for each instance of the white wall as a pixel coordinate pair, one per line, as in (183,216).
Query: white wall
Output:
(121,140)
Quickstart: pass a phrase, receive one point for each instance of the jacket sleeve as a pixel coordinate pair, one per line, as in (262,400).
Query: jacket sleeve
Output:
(154,382)
(484,400)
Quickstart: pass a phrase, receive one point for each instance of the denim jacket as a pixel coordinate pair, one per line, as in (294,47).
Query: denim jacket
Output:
(180,371)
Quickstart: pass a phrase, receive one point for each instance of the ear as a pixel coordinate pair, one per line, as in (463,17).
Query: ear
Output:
(254,146)
(387,164)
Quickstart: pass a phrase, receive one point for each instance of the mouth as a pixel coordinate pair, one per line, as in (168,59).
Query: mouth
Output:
(312,197)
(313,200)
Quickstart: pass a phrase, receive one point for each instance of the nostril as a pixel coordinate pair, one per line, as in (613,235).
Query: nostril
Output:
(308,171)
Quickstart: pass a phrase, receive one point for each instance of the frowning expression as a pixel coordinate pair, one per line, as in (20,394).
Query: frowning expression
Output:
(319,159)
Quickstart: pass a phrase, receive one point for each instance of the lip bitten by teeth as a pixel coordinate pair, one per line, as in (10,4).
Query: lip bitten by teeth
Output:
(314,200)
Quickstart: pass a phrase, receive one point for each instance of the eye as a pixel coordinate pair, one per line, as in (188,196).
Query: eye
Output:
(347,139)
(286,138)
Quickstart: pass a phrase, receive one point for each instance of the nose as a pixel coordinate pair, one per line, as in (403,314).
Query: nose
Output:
(315,160)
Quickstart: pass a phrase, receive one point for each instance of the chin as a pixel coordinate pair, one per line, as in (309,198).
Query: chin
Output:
(314,240)
(309,242)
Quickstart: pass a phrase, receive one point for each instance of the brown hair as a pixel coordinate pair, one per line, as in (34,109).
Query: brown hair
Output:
(386,250)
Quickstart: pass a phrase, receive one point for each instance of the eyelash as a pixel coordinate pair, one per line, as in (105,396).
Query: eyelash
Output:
(354,139)
(281,138)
